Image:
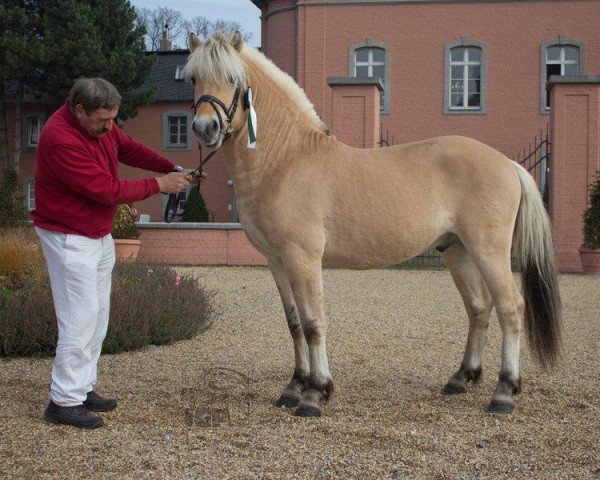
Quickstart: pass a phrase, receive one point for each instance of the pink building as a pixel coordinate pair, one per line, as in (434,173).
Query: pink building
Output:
(468,67)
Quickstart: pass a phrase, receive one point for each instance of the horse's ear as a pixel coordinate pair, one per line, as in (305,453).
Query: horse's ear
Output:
(237,41)
(193,42)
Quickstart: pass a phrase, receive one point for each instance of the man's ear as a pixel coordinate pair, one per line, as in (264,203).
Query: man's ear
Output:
(79,110)
(193,42)
(237,41)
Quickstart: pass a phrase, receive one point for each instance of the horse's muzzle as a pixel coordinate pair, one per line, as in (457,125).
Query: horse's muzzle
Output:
(208,131)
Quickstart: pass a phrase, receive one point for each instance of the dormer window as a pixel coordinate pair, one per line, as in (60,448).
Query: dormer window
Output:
(179,72)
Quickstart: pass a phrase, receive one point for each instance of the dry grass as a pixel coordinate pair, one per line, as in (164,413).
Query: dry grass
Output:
(394,338)
(20,256)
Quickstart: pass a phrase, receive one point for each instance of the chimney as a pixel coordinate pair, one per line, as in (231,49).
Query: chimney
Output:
(165,43)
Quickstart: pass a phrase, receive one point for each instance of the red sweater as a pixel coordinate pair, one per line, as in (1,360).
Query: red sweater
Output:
(77,187)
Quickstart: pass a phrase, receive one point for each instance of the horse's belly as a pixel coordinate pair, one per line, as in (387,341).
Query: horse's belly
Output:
(369,249)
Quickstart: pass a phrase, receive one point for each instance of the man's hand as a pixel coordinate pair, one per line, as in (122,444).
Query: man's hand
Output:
(174,182)
(195,179)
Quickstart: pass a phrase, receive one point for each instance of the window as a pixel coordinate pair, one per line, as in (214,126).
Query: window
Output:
(29,194)
(559,57)
(370,63)
(465,77)
(179,72)
(177,131)
(371,60)
(33,128)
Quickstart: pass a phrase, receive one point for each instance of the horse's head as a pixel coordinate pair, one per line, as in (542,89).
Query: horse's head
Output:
(216,70)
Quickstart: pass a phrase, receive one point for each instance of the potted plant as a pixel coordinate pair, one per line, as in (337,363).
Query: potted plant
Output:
(125,233)
(589,252)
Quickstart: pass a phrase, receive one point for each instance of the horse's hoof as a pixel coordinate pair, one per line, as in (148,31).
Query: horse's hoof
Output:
(500,407)
(307,411)
(287,401)
(451,389)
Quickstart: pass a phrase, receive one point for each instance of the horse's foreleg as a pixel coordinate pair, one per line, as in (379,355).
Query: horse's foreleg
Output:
(478,305)
(305,277)
(292,393)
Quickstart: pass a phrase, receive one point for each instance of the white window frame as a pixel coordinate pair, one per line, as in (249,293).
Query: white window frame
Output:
(352,63)
(561,42)
(32,120)
(465,63)
(465,43)
(167,145)
(179,72)
(29,194)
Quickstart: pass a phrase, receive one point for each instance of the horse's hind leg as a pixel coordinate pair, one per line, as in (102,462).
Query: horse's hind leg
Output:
(292,393)
(478,304)
(495,267)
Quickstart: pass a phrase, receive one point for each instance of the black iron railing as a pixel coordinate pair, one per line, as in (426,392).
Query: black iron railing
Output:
(536,159)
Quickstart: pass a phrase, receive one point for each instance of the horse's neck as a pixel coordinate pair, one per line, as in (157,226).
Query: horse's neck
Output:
(282,132)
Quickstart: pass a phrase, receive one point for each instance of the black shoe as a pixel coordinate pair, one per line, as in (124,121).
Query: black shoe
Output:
(77,416)
(96,403)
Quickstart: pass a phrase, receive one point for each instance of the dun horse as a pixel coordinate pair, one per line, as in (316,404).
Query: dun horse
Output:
(308,202)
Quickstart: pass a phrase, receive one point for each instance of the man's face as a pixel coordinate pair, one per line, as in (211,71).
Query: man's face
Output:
(97,122)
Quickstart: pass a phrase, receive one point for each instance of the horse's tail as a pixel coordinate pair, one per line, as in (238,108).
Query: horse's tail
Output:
(534,250)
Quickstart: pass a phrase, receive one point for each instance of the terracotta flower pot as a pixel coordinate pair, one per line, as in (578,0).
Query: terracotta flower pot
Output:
(590,260)
(126,250)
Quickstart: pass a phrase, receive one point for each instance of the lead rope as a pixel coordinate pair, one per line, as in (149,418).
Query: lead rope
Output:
(176,198)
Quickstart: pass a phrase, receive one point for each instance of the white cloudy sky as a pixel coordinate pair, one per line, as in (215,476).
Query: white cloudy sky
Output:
(242,11)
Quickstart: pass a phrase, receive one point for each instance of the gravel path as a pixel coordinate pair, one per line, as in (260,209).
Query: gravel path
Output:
(394,338)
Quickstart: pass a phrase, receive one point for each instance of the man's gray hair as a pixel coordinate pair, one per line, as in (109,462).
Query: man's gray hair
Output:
(94,93)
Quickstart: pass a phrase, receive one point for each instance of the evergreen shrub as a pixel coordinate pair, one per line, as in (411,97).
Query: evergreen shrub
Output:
(591,217)
(195,208)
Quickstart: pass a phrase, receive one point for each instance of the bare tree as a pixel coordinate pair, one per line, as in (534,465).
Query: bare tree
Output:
(230,27)
(179,28)
(155,21)
(201,26)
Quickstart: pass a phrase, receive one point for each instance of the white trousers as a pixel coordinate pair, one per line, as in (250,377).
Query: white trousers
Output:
(80,271)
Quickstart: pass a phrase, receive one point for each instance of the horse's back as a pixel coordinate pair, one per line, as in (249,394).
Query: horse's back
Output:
(392,203)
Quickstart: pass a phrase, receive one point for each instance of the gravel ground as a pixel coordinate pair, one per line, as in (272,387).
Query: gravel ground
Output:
(204,408)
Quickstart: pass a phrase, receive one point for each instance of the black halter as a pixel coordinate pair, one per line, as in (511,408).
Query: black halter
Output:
(226,131)
(229,112)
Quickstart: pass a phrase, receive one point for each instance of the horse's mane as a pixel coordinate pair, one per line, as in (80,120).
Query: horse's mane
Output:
(217,62)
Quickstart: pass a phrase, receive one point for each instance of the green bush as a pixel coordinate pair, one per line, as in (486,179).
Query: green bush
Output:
(195,208)
(591,217)
(27,320)
(150,304)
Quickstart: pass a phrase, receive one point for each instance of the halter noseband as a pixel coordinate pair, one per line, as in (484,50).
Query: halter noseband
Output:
(229,112)
(226,131)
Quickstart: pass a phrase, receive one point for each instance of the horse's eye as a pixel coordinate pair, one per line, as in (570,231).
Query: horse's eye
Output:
(193,80)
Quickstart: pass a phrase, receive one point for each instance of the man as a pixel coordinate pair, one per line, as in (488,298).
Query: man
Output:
(77,191)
